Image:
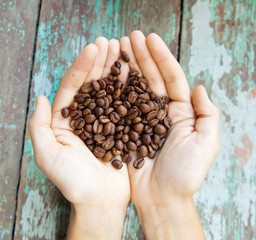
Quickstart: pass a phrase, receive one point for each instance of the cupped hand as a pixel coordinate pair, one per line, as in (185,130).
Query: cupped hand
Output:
(192,143)
(87,182)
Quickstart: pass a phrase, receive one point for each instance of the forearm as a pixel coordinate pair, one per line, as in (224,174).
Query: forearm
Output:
(178,220)
(97,224)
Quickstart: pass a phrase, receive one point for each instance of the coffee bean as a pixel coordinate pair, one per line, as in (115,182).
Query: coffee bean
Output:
(80,106)
(108,111)
(161,143)
(121,121)
(110,89)
(133,135)
(118,64)
(79,123)
(125,56)
(148,129)
(152,154)
(101,94)
(79,98)
(86,87)
(98,111)
(138,163)
(99,138)
(125,138)
(117,93)
(143,151)
(119,135)
(138,127)
(76,114)
(104,119)
(95,127)
(99,152)
(132,113)
(91,148)
(83,136)
(107,128)
(126,129)
(156,139)
(138,143)
(108,156)
(126,158)
(153,122)
(87,101)
(88,127)
(119,145)
(128,121)
(90,118)
(154,146)
(136,120)
(117,103)
(146,139)
(117,164)
(131,146)
(96,85)
(144,96)
(168,122)
(91,106)
(116,152)
(102,84)
(116,71)
(108,144)
(138,89)
(119,128)
(121,110)
(127,104)
(73,106)
(132,97)
(160,129)
(161,114)
(144,108)
(100,102)
(114,117)
(65,112)
(86,112)
(152,96)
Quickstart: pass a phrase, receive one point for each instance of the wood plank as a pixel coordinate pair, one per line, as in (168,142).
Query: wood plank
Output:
(218,49)
(17,33)
(65,27)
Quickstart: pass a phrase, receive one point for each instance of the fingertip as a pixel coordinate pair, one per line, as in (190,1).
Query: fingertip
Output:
(136,34)
(101,41)
(124,39)
(152,36)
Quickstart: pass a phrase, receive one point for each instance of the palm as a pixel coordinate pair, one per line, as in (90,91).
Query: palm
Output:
(68,162)
(183,161)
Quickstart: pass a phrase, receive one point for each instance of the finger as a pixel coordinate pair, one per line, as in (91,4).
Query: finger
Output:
(43,139)
(174,77)
(74,77)
(97,69)
(207,122)
(112,56)
(147,64)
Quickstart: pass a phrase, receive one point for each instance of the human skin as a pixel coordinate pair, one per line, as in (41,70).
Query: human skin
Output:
(163,189)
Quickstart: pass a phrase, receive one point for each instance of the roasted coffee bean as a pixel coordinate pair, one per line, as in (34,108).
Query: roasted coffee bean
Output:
(89,141)
(154,146)
(79,123)
(106,103)
(90,147)
(121,121)
(136,120)
(87,101)
(96,85)
(126,158)
(128,121)
(138,163)
(76,114)
(167,122)
(125,138)
(119,128)
(153,122)
(119,145)
(86,112)
(152,96)
(144,96)
(116,152)
(73,105)
(79,98)
(131,146)
(102,84)
(104,119)
(110,89)
(126,129)
(132,97)
(146,139)
(108,156)
(117,84)
(152,154)
(143,85)
(119,135)
(125,56)
(121,110)
(117,164)
(127,104)
(90,118)
(108,111)
(72,124)
(108,144)
(156,139)
(81,106)
(107,128)
(118,64)
(144,108)
(99,152)
(138,89)
(117,103)
(138,127)
(160,129)
(86,87)
(143,151)
(78,131)
(132,113)
(138,142)
(98,111)
(91,106)
(148,129)
(99,138)
(83,136)
(88,127)
(95,127)
(101,94)
(65,112)
(133,135)
(117,93)
(114,70)
(161,114)
(100,102)
(114,117)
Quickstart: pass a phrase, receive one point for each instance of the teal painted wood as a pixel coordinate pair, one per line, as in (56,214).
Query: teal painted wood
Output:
(65,27)
(17,33)
(218,49)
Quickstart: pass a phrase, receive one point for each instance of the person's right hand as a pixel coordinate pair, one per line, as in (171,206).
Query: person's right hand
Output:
(162,190)
(98,192)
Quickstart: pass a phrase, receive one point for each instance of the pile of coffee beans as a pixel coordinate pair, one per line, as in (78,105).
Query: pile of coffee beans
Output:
(113,119)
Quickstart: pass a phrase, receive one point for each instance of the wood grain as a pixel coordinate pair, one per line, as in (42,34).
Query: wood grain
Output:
(17,33)
(65,27)
(218,50)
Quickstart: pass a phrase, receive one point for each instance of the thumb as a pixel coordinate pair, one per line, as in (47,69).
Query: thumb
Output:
(39,126)
(207,122)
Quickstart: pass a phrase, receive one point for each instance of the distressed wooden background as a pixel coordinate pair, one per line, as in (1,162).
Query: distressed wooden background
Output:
(215,42)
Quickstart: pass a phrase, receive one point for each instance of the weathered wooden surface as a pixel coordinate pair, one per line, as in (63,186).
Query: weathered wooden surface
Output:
(17,32)
(218,49)
(65,27)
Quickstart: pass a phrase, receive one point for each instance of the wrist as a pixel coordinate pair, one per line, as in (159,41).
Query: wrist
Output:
(98,223)
(176,219)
